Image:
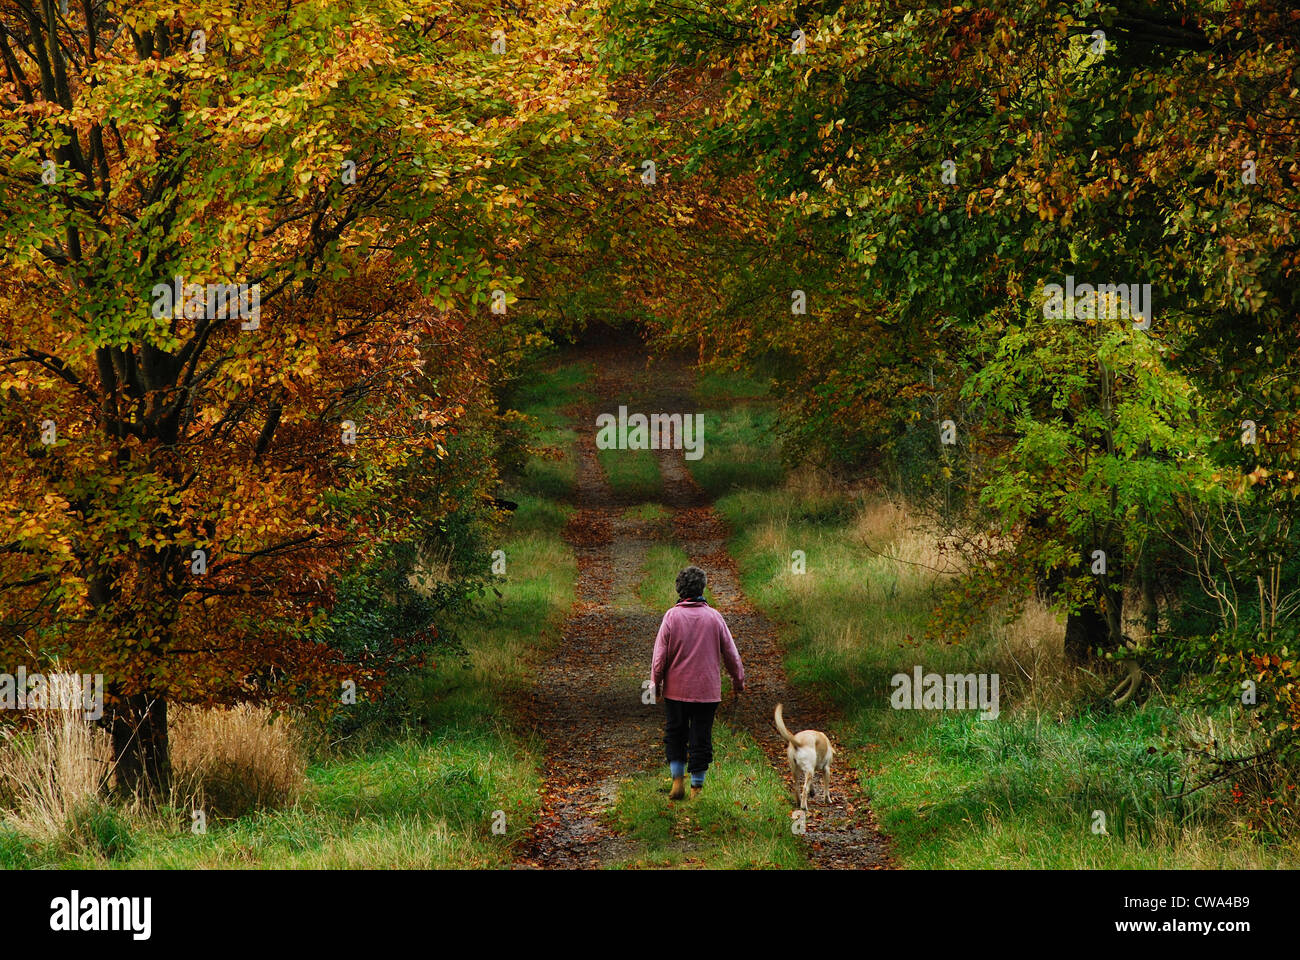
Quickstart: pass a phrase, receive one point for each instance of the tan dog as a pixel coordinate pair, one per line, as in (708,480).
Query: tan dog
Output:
(809,751)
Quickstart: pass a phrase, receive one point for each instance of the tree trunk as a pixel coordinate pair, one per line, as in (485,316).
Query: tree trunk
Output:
(1099,624)
(140,749)
(1150,603)
(1085,631)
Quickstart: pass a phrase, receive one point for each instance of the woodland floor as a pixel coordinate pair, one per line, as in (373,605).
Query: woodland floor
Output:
(587,705)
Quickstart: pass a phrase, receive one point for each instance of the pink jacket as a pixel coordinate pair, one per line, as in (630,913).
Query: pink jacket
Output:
(693,640)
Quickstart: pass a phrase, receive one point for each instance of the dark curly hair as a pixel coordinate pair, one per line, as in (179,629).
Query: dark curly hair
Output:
(691,582)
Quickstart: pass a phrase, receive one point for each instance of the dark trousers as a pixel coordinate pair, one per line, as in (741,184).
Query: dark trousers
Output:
(688,729)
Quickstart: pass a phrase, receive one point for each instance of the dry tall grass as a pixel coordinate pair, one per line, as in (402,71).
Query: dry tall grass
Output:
(891,566)
(891,530)
(1028,652)
(50,769)
(229,762)
(226,762)
(1030,658)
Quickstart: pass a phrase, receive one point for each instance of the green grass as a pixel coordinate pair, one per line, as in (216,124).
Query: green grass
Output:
(420,798)
(740,821)
(413,804)
(740,446)
(551,478)
(657,587)
(724,388)
(953,790)
(648,512)
(632,473)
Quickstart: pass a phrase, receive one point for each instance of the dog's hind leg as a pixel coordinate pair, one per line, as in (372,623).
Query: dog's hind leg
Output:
(827,772)
(807,783)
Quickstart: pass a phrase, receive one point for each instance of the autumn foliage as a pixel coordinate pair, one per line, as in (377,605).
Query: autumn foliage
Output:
(869,197)
(184,482)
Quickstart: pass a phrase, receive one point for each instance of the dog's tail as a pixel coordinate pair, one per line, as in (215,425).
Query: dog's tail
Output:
(780,725)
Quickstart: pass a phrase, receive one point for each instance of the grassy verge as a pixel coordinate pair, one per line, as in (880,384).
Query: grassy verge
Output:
(953,789)
(550,477)
(740,446)
(424,797)
(416,803)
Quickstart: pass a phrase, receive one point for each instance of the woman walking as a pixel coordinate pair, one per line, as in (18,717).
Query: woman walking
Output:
(693,642)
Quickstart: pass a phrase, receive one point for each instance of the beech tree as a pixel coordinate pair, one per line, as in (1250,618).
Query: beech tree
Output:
(238,238)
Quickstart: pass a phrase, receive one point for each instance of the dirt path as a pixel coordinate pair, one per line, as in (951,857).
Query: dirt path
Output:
(591,688)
